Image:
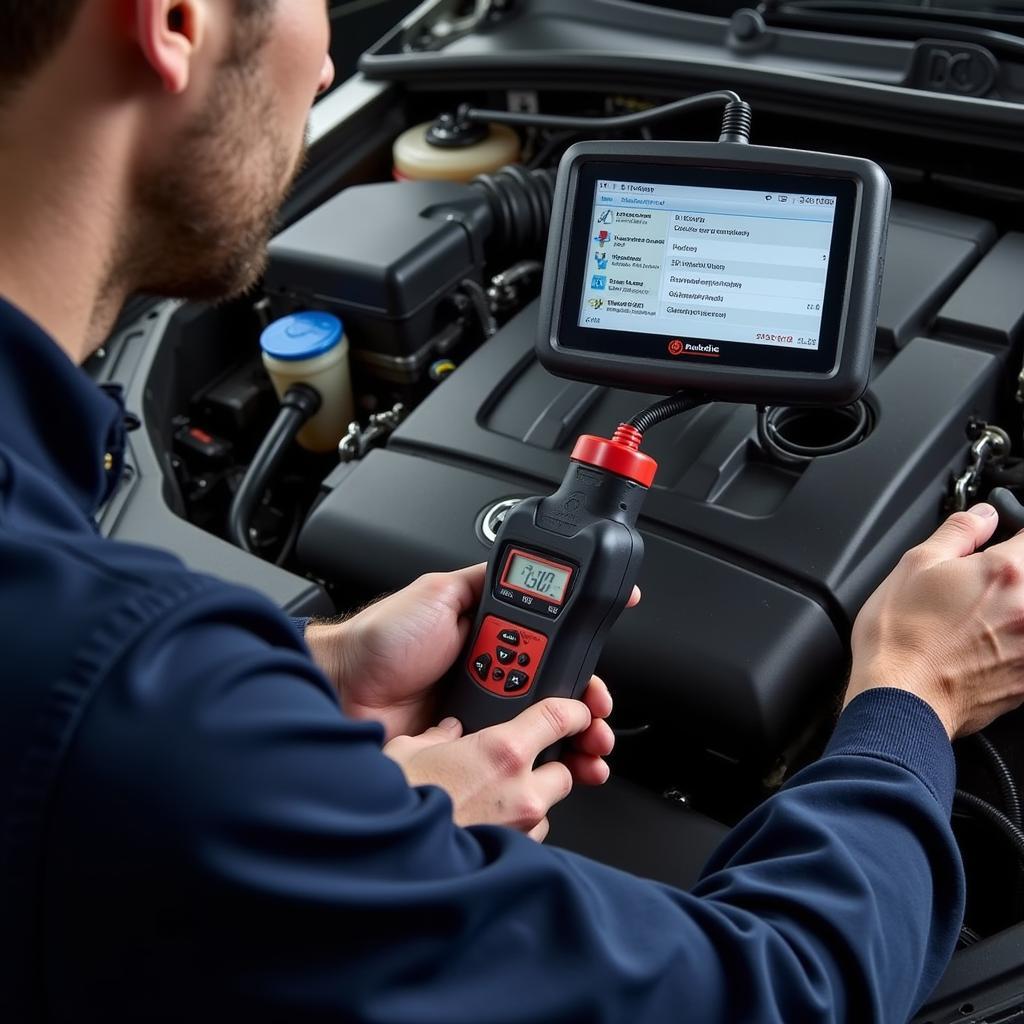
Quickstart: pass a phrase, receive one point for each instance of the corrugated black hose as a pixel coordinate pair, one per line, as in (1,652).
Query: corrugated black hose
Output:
(1003,776)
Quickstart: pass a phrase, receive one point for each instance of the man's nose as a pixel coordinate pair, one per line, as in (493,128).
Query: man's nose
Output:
(326,75)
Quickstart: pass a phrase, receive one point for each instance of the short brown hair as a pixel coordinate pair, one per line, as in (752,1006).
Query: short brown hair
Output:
(30,31)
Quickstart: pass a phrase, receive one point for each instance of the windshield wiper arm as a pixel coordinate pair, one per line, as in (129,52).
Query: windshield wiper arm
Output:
(892,21)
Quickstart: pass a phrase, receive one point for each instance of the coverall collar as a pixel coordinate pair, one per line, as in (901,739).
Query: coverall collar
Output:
(55,416)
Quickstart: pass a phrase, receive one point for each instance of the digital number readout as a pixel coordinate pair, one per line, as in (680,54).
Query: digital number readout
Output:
(537,576)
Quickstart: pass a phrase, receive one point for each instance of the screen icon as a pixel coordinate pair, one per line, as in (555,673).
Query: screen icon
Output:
(675,347)
(767,199)
(602,238)
(602,260)
(598,282)
(783,199)
(595,303)
(605,217)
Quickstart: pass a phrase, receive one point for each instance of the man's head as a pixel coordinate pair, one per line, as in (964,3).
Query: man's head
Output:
(204,103)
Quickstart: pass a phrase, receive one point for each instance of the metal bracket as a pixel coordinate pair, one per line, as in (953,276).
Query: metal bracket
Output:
(450,25)
(990,446)
(359,440)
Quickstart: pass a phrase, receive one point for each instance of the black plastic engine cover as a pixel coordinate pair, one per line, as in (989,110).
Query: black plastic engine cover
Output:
(753,572)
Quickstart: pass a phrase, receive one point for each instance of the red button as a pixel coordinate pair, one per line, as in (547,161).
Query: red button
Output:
(485,651)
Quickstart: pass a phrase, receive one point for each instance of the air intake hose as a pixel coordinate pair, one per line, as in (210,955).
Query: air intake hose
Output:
(520,202)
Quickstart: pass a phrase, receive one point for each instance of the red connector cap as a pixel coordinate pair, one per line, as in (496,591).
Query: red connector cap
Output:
(621,455)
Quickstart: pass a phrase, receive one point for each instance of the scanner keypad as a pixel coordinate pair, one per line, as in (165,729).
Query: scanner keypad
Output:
(502,643)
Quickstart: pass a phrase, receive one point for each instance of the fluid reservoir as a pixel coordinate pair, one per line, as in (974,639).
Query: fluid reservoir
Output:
(450,149)
(311,348)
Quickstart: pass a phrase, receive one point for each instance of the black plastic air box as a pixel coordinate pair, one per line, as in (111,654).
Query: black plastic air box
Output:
(384,258)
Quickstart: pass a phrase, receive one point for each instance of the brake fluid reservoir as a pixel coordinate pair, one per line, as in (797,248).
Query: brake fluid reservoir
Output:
(311,348)
(451,150)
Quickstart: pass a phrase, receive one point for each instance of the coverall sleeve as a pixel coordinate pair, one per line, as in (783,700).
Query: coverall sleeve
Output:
(226,846)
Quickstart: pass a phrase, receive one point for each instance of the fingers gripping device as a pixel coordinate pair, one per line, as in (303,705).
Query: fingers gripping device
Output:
(563,571)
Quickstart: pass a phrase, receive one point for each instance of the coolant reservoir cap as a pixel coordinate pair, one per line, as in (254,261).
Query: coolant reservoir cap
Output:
(302,336)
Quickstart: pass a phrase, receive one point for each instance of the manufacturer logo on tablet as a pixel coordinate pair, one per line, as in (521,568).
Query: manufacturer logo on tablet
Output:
(676,347)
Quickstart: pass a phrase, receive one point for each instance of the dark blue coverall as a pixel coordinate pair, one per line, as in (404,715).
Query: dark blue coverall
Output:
(191,830)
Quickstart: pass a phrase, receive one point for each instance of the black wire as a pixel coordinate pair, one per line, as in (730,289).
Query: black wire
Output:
(995,817)
(615,122)
(288,544)
(560,141)
(300,402)
(665,409)
(631,731)
(736,122)
(1004,777)
(347,7)
(478,299)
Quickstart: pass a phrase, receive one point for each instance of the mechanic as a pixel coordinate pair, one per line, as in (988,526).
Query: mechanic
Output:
(197,822)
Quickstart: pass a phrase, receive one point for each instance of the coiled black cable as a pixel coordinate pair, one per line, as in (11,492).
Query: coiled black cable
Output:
(666,408)
(736,122)
(772,419)
(300,403)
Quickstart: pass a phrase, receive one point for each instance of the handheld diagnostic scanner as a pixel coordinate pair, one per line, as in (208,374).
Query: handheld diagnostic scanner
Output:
(699,270)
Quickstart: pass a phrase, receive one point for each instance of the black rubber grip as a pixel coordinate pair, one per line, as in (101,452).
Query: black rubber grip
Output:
(1011,513)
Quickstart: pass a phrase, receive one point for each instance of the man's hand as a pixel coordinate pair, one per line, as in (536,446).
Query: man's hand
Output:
(948,625)
(385,661)
(490,775)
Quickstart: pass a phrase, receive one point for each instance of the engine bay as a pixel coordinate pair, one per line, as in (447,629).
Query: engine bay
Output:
(727,676)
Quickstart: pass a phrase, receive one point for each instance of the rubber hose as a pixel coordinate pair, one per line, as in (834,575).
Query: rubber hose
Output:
(300,403)
(520,202)
(995,817)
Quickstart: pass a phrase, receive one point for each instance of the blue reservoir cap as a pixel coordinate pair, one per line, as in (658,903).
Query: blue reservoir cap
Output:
(302,336)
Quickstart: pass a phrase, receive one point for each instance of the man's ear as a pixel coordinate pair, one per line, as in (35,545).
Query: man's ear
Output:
(169,32)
